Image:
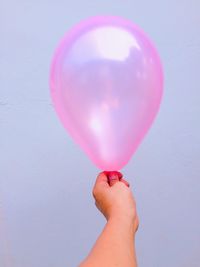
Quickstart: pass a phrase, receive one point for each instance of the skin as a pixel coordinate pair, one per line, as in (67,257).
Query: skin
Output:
(115,247)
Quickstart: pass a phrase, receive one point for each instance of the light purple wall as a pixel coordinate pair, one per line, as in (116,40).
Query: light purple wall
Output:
(47,214)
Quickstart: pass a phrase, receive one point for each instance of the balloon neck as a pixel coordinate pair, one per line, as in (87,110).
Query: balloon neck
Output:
(113,175)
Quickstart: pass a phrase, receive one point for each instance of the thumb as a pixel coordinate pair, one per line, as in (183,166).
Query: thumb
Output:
(101,181)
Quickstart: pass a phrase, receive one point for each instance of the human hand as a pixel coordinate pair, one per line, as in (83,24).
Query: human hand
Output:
(114,199)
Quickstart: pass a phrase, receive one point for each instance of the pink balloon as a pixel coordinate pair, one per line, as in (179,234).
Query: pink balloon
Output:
(106,84)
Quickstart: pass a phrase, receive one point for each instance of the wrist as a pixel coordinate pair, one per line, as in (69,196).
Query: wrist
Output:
(125,223)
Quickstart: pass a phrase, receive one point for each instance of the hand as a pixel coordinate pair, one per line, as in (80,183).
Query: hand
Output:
(115,200)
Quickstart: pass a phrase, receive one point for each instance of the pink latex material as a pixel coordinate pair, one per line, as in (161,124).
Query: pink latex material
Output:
(106,84)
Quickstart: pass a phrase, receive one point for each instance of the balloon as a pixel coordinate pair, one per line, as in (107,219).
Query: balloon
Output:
(106,83)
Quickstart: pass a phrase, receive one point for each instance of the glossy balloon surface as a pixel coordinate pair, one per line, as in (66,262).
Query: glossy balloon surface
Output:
(106,84)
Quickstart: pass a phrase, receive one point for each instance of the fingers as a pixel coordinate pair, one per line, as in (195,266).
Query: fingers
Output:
(102,178)
(113,181)
(125,182)
(113,178)
(107,179)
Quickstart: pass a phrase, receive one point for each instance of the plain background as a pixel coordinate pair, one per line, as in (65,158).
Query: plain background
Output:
(47,214)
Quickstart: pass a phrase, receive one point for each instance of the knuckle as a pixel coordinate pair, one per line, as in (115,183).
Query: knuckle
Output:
(137,225)
(95,192)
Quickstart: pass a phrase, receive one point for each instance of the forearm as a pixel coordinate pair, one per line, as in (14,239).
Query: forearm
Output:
(115,246)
